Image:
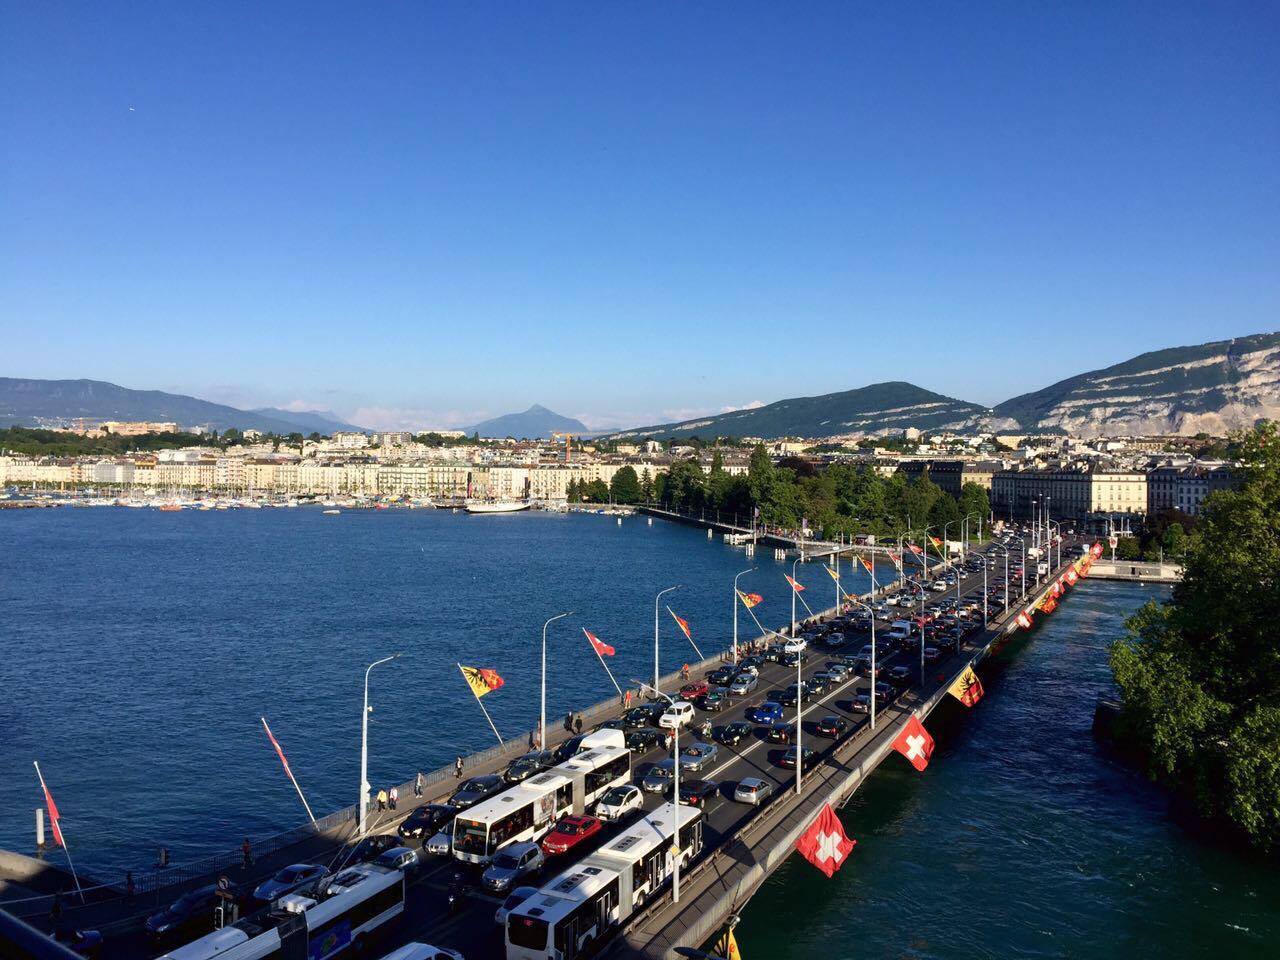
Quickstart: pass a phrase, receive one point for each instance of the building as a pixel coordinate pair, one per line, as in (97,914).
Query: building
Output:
(951,475)
(1077,493)
(1185,488)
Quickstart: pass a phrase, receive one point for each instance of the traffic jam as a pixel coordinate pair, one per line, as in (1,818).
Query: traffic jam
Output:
(550,857)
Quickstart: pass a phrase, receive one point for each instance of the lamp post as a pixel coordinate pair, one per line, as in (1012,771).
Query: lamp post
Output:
(793,595)
(675,760)
(735,611)
(1005,550)
(921,621)
(946,551)
(542,714)
(872,613)
(364,742)
(655,631)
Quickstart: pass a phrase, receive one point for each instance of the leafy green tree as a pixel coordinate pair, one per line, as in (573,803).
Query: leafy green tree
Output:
(974,499)
(597,491)
(625,486)
(1128,548)
(646,486)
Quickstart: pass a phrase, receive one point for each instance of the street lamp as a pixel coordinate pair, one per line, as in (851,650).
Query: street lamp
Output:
(793,594)
(872,612)
(922,596)
(735,611)
(542,721)
(655,631)
(1005,550)
(364,742)
(675,760)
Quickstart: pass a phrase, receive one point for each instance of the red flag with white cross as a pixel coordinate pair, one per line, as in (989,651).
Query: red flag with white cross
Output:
(824,843)
(914,743)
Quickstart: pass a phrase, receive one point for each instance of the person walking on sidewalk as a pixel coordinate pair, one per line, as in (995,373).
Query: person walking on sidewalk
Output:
(417,785)
(246,854)
(457,768)
(577,724)
(382,799)
(394,796)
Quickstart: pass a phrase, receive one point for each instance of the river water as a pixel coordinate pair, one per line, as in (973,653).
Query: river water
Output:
(1021,839)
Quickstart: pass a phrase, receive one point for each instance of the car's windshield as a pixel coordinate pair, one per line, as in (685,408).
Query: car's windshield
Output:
(288,875)
(616,795)
(570,829)
(505,861)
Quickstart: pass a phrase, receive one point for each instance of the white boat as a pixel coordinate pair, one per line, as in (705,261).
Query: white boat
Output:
(496,506)
(332,513)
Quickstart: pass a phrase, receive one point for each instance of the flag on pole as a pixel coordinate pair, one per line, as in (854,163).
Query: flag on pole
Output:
(600,646)
(1049,605)
(967,688)
(750,600)
(53,815)
(935,541)
(795,585)
(824,843)
(727,947)
(897,560)
(914,548)
(1072,576)
(480,680)
(682,623)
(279,752)
(1024,619)
(914,743)
(835,574)
(867,564)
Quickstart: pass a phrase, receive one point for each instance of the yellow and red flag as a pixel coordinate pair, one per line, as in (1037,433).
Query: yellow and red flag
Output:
(935,541)
(867,563)
(967,687)
(795,585)
(481,680)
(1049,605)
(682,623)
(835,574)
(750,600)
(599,645)
(727,947)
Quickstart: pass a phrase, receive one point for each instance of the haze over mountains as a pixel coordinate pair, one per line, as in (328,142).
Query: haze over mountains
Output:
(535,422)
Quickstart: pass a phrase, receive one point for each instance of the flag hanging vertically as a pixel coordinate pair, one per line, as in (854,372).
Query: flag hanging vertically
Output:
(835,574)
(795,585)
(53,815)
(279,752)
(914,743)
(599,645)
(749,600)
(824,843)
(727,946)
(1024,619)
(682,623)
(480,680)
(967,688)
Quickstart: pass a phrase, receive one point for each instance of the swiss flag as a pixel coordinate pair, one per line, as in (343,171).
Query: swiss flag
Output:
(824,843)
(599,645)
(914,743)
(914,549)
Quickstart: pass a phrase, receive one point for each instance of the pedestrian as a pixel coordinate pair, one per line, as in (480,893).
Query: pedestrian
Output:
(568,722)
(417,785)
(533,738)
(626,699)
(129,887)
(684,672)
(246,854)
(577,724)
(382,799)
(162,858)
(457,768)
(394,797)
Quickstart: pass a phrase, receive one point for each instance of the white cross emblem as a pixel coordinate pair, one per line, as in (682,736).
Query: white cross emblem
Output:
(829,848)
(915,746)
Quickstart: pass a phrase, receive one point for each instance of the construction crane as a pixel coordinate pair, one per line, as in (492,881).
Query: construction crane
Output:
(568,443)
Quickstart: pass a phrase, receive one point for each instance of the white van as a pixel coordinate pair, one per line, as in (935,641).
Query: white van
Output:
(679,714)
(900,630)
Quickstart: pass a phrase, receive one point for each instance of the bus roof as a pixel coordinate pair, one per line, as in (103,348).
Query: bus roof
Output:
(526,791)
(645,834)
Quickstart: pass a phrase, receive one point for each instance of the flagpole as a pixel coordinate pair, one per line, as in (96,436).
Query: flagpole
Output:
(289,771)
(482,709)
(687,636)
(59,832)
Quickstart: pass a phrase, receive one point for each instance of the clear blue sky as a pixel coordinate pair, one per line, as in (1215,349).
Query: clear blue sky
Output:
(424,213)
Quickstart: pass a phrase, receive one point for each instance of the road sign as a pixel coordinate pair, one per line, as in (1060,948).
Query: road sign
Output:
(1113,540)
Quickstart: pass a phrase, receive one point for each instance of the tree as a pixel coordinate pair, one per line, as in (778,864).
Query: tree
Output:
(974,499)
(646,486)
(1128,548)
(597,491)
(573,492)
(625,486)
(1199,677)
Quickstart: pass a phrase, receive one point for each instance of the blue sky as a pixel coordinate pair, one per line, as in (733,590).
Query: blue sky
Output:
(425,213)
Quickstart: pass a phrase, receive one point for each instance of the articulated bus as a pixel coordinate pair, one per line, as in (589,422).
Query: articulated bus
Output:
(344,911)
(573,916)
(530,808)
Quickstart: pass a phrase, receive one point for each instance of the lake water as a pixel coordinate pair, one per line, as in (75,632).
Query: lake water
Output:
(1021,839)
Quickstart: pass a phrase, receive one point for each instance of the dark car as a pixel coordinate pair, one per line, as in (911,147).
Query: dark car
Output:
(713,701)
(731,734)
(426,821)
(787,696)
(788,759)
(766,712)
(756,662)
(472,791)
(781,732)
(832,726)
(638,717)
(189,917)
(720,676)
(645,739)
(372,847)
(86,943)
(524,767)
(568,749)
(818,684)
(696,793)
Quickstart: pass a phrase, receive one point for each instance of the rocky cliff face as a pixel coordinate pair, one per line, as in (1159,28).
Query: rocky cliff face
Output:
(1211,388)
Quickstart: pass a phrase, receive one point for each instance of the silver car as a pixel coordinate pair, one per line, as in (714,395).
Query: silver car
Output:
(743,684)
(659,777)
(509,864)
(696,756)
(288,880)
(516,897)
(751,790)
(441,845)
(400,858)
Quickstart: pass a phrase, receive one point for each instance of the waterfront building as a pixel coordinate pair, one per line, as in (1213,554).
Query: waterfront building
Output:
(1079,492)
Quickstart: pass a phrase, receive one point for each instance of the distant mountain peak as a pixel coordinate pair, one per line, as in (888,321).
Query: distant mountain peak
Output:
(534,423)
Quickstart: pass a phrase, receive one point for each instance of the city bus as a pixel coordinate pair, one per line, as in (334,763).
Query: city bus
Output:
(340,912)
(529,809)
(573,915)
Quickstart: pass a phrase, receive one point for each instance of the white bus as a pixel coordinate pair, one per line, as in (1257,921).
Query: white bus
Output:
(344,910)
(530,808)
(574,915)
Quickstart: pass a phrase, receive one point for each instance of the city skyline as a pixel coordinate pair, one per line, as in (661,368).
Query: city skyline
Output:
(446,214)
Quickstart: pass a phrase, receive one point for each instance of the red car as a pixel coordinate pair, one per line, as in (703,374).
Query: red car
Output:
(568,833)
(691,691)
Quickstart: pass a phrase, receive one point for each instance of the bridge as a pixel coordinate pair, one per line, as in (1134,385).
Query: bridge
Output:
(743,844)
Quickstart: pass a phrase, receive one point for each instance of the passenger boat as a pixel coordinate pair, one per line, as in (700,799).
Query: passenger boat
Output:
(496,506)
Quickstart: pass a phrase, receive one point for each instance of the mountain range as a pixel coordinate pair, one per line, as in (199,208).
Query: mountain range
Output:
(536,422)
(1210,388)
(31,402)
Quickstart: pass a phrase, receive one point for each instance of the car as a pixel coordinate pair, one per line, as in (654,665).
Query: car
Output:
(509,864)
(694,689)
(720,675)
(751,663)
(644,740)
(405,859)
(743,684)
(766,712)
(191,915)
(819,683)
(781,732)
(696,793)
(569,832)
(637,718)
(832,726)
(752,790)
(475,789)
(713,701)
(516,897)
(569,748)
(84,943)
(773,653)
(836,640)
(750,669)
(524,767)
(931,654)
(440,844)
(861,703)
(731,734)
(795,645)
(617,802)
(423,951)
(613,723)
(900,675)
(425,821)
(287,880)
(791,660)
(696,756)
(373,846)
(679,714)
(788,759)
(659,777)
(839,672)
(787,696)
